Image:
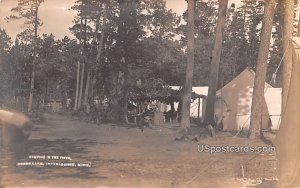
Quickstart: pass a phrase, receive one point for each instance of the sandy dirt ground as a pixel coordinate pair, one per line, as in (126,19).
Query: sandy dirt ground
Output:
(122,156)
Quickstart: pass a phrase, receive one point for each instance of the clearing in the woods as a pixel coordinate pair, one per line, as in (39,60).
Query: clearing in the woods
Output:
(124,156)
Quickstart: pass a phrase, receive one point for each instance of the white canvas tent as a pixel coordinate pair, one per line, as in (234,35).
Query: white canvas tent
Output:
(238,96)
(273,100)
(235,103)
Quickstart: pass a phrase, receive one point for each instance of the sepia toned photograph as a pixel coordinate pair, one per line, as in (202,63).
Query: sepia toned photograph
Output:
(149,93)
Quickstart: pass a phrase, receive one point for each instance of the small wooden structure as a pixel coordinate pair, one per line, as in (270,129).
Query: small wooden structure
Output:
(54,105)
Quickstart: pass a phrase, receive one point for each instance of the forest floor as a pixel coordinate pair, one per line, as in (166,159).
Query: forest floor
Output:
(122,156)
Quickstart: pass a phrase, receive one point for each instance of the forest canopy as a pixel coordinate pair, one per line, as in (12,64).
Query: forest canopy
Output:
(126,49)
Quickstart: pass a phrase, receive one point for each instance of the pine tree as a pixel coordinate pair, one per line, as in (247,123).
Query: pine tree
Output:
(28,9)
(187,90)
(261,71)
(215,63)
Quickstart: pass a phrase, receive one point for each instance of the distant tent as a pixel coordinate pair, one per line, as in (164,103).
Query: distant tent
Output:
(238,96)
(197,107)
(287,141)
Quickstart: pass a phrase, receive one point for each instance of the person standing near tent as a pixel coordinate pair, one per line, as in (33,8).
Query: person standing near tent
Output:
(221,112)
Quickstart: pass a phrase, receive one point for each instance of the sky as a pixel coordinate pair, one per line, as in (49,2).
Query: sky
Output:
(57,16)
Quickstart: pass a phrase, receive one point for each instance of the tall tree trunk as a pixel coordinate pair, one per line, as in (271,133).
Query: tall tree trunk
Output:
(261,70)
(131,13)
(31,89)
(100,46)
(199,106)
(124,103)
(288,18)
(215,63)
(76,105)
(87,89)
(81,87)
(287,141)
(298,29)
(115,93)
(187,89)
(98,57)
(84,63)
(126,42)
(34,58)
(47,89)
(93,82)
(77,86)
(45,94)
